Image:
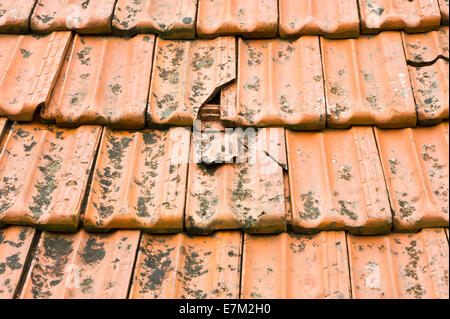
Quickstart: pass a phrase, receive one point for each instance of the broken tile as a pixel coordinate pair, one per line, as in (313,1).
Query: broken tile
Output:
(104,81)
(337,182)
(186,75)
(247,194)
(411,16)
(399,266)
(367,82)
(83,16)
(430,85)
(443,5)
(253,19)
(295,266)
(139,181)
(332,18)
(47,188)
(15,15)
(279,84)
(415,163)
(426,47)
(82,265)
(171,19)
(15,241)
(29,66)
(181,266)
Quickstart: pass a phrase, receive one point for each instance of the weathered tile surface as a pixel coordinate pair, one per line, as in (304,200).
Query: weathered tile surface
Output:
(29,66)
(172,19)
(443,5)
(181,266)
(83,16)
(337,182)
(15,15)
(332,18)
(139,181)
(104,80)
(82,265)
(415,163)
(367,82)
(15,242)
(426,47)
(47,188)
(186,74)
(408,15)
(399,266)
(295,266)
(255,19)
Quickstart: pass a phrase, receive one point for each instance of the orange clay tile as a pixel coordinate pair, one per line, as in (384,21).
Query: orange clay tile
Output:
(399,266)
(430,84)
(253,19)
(139,181)
(82,265)
(443,5)
(15,15)
(171,19)
(48,186)
(104,81)
(411,16)
(279,84)
(29,66)
(415,163)
(93,16)
(332,18)
(247,194)
(15,242)
(295,266)
(367,82)
(3,124)
(186,75)
(337,182)
(181,266)
(426,47)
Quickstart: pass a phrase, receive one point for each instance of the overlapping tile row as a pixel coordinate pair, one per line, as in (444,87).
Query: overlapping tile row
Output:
(331,18)
(400,266)
(43,174)
(82,265)
(425,48)
(104,80)
(29,66)
(83,16)
(15,15)
(139,181)
(416,167)
(181,266)
(15,243)
(336,182)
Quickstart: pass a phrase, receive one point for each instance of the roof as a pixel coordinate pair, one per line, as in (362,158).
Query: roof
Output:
(224,149)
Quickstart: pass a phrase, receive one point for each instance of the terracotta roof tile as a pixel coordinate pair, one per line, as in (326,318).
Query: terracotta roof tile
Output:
(47,188)
(3,123)
(332,18)
(367,82)
(139,181)
(279,83)
(247,194)
(295,266)
(430,85)
(172,19)
(399,265)
(443,5)
(82,265)
(181,266)
(255,19)
(15,241)
(411,16)
(105,80)
(15,15)
(28,68)
(337,182)
(415,163)
(199,67)
(79,15)
(426,47)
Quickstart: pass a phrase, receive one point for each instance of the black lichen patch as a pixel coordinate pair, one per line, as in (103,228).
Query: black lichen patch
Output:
(83,55)
(194,267)
(25,53)
(93,251)
(411,269)
(345,209)
(393,163)
(345,172)
(310,206)
(406,207)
